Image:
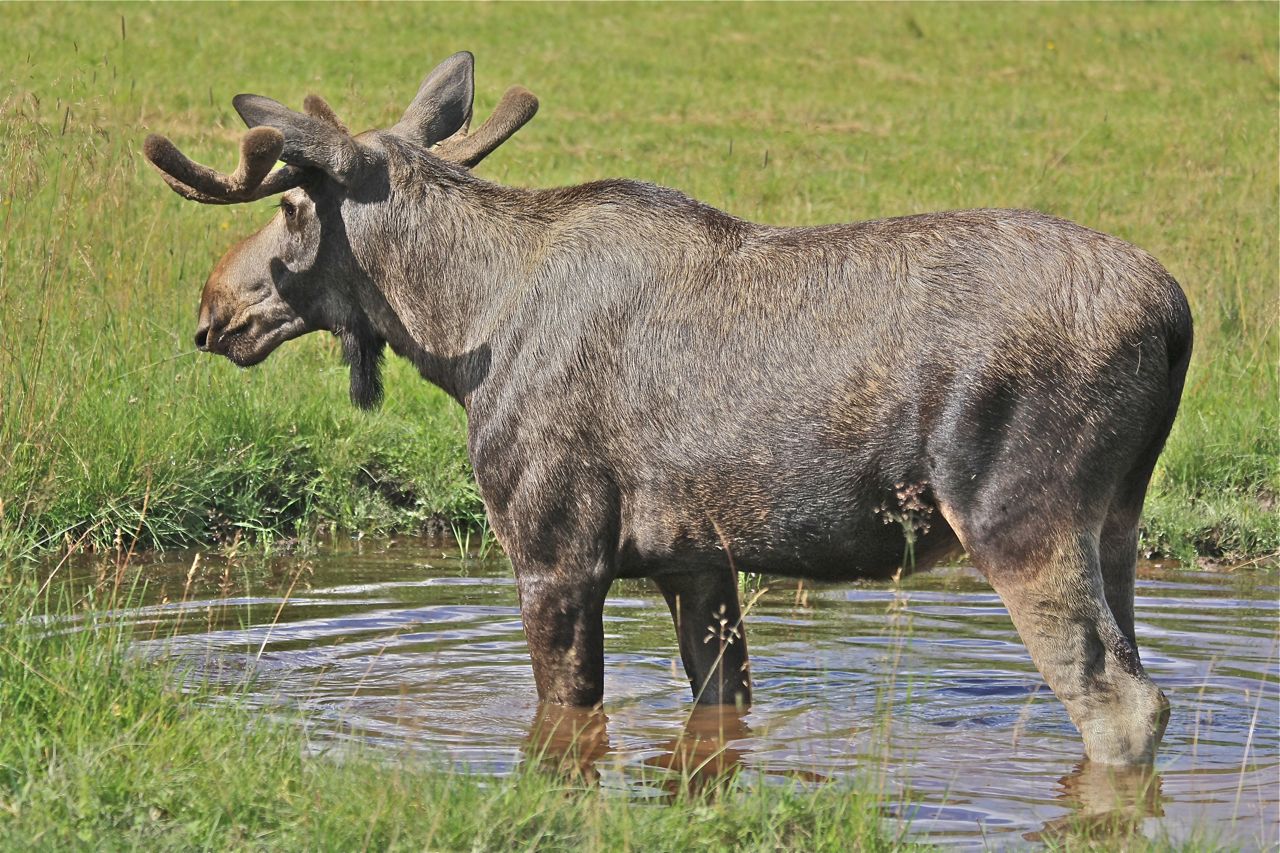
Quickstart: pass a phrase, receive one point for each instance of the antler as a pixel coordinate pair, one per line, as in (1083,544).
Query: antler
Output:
(317,139)
(517,106)
(317,107)
(252,180)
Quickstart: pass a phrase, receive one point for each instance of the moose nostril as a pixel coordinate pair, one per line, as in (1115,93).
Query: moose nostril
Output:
(202,339)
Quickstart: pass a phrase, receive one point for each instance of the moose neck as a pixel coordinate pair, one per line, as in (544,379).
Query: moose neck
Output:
(454,269)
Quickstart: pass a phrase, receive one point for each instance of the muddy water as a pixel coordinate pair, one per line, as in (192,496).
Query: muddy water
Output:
(922,692)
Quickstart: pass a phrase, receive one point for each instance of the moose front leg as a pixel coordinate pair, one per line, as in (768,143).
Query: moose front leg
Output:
(713,640)
(563,615)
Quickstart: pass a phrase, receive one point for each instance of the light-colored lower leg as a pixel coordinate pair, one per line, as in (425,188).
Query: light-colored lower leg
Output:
(1059,606)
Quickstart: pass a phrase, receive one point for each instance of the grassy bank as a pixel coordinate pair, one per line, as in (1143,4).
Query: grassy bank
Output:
(1156,123)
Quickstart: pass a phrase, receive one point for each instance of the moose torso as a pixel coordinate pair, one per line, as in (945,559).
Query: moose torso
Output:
(719,390)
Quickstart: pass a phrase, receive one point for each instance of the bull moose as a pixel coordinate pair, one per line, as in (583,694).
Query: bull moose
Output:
(658,389)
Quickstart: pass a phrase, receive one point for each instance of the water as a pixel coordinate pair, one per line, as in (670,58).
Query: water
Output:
(924,692)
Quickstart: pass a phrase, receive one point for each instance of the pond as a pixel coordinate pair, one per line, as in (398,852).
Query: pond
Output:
(921,691)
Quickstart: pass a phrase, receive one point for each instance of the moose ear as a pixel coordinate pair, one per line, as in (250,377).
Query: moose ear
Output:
(443,103)
(308,141)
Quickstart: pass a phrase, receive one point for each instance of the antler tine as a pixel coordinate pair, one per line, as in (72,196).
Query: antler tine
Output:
(281,180)
(317,107)
(517,106)
(259,150)
(186,192)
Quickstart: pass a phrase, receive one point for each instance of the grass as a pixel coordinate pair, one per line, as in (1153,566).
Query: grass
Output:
(1154,122)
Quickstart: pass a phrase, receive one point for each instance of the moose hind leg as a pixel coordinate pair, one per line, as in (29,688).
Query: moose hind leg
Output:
(713,642)
(1057,600)
(1118,552)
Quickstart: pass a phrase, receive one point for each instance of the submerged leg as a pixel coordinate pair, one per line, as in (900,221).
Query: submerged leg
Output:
(563,615)
(713,640)
(1057,600)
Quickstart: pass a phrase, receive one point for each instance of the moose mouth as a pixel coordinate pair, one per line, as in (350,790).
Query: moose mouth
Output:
(248,344)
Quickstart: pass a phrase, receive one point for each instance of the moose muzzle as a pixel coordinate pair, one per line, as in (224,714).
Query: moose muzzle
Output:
(242,316)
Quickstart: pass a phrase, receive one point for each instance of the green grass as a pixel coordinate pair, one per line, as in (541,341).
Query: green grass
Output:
(1154,122)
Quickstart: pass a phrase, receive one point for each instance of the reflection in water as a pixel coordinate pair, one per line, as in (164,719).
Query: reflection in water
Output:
(1106,803)
(707,752)
(568,740)
(924,693)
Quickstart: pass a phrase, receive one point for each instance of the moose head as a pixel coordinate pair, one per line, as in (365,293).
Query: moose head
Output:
(297,274)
